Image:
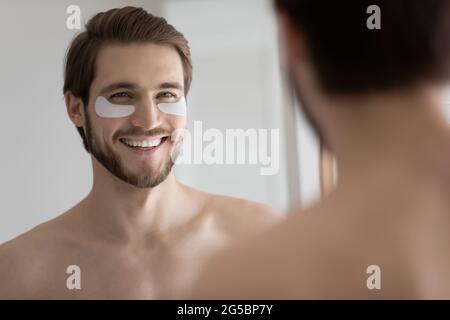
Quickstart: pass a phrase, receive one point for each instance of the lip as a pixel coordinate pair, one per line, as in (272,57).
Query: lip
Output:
(152,138)
(141,151)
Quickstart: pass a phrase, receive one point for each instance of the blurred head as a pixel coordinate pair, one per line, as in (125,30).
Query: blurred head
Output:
(133,58)
(329,51)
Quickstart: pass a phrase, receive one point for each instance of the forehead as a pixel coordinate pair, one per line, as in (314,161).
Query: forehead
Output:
(144,64)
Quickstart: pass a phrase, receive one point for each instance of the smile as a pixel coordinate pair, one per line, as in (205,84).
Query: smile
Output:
(143,145)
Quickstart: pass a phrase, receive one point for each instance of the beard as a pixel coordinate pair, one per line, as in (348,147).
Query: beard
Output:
(111,161)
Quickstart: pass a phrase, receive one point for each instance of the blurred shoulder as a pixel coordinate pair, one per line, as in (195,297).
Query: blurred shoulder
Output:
(310,255)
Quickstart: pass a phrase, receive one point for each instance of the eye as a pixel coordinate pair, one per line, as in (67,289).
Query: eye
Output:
(120,95)
(166,94)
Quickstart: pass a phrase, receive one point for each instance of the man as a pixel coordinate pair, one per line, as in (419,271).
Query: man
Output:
(139,234)
(373,95)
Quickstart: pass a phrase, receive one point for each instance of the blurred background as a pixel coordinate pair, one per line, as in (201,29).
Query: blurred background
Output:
(237,84)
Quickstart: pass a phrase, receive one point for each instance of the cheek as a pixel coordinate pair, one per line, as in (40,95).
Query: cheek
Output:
(105,129)
(176,122)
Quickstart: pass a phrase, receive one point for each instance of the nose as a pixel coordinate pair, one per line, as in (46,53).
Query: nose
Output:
(147,115)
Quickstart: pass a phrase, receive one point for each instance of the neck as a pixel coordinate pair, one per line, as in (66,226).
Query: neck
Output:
(405,134)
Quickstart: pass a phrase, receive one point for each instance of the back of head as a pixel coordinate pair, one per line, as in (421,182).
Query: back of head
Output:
(412,46)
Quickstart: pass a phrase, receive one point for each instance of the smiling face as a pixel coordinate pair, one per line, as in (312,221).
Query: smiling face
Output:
(137,148)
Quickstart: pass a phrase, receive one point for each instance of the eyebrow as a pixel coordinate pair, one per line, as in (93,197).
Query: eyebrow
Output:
(119,85)
(170,85)
(132,86)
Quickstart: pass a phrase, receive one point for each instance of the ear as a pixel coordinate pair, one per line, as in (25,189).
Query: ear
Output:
(75,109)
(293,47)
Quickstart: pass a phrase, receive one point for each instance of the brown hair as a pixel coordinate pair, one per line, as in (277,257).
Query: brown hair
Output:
(124,25)
(412,46)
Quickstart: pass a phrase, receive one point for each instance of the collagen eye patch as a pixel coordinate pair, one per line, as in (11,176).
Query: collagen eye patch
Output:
(175,108)
(106,109)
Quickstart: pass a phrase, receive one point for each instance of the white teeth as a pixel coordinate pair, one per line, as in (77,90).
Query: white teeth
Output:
(142,144)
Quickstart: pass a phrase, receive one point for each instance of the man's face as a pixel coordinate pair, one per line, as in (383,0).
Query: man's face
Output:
(142,75)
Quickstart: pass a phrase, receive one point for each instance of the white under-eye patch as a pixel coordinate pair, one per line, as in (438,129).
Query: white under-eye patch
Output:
(175,108)
(106,109)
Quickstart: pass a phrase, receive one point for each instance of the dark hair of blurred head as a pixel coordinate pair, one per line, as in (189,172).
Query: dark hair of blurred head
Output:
(412,46)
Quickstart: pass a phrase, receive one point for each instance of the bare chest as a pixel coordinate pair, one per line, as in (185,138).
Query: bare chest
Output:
(145,273)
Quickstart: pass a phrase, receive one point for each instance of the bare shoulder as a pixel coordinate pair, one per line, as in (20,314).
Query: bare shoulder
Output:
(19,266)
(317,254)
(241,216)
(248,269)
(269,265)
(25,261)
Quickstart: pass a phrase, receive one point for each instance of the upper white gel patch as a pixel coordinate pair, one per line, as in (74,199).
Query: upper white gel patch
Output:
(106,109)
(175,108)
